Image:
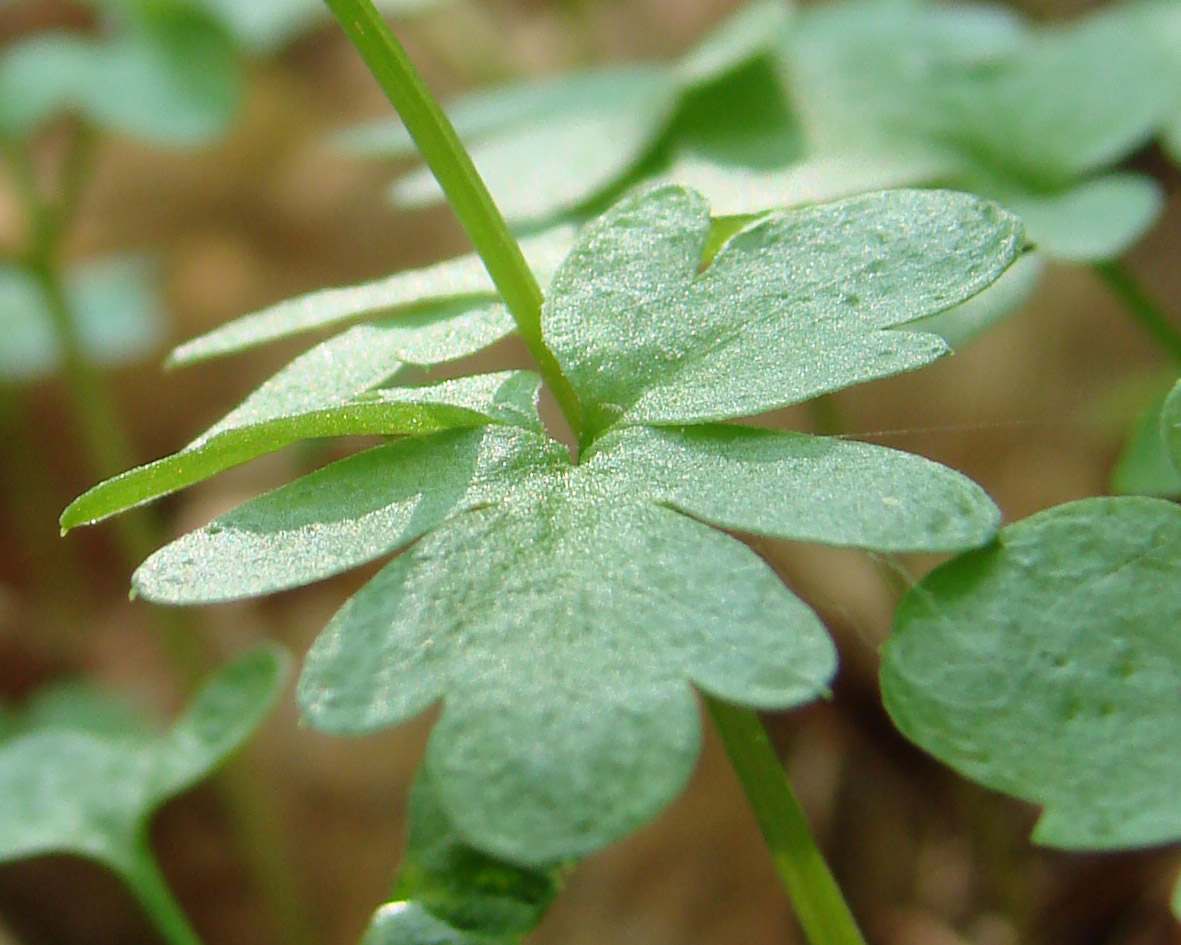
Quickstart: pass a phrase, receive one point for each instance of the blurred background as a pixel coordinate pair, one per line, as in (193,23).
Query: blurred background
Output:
(214,219)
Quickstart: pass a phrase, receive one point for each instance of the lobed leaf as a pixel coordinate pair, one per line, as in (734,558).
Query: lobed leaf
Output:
(91,791)
(841,492)
(437,292)
(794,306)
(561,627)
(563,612)
(1048,666)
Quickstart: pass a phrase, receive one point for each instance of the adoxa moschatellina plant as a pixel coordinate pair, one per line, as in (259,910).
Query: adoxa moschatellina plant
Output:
(562,610)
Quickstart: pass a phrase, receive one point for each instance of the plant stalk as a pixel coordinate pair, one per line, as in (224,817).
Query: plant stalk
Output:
(819,903)
(449,161)
(1142,306)
(155,897)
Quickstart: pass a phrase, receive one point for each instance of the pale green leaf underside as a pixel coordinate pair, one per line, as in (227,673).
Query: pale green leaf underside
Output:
(408,923)
(796,305)
(323,393)
(84,792)
(806,488)
(1048,666)
(561,628)
(1171,425)
(1145,466)
(449,288)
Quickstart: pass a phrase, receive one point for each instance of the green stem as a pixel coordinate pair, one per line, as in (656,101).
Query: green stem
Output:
(819,904)
(1142,306)
(449,161)
(150,888)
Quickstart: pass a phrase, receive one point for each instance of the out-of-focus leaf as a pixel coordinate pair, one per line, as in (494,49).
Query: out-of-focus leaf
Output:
(78,707)
(582,135)
(173,80)
(116,310)
(1171,424)
(91,792)
(265,26)
(1048,666)
(447,891)
(1097,220)
(450,288)
(1145,466)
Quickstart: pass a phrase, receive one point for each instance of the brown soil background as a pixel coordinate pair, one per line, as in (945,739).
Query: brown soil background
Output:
(1033,411)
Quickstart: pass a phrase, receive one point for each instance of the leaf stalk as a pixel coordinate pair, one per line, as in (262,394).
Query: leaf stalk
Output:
(466,192)
(818,901)
(1140,305)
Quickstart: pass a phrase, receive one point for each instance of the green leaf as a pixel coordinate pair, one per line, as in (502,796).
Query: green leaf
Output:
(1145,466)
(595,609)
(595,127)
(962,323)
(1048,666)
(408,923)
(1171,424)
(562,612)
(1097,220)
(117,312)
(842,493)
(796,305)
(321,394)
(592,129)
(171,79)
(447,289)
(77,707)
(469,894)
(1077,98)
(90,792)
(339,517)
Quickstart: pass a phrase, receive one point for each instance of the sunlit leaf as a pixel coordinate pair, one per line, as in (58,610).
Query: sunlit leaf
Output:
(451,287)
(1048,666)
(645,338)
(1171,424)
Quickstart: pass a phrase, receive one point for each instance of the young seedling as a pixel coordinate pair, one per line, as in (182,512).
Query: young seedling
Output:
(87,783)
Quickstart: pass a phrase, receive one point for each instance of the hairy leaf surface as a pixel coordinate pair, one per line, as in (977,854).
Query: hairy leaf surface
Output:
(796,305)
(562,612)
(1048,666)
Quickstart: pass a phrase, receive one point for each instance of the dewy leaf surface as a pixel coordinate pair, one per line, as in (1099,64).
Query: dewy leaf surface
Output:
(91,793)
(451,287)
(796,305)
(1048,666)
(561,627)
(320,394)
(562,612)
